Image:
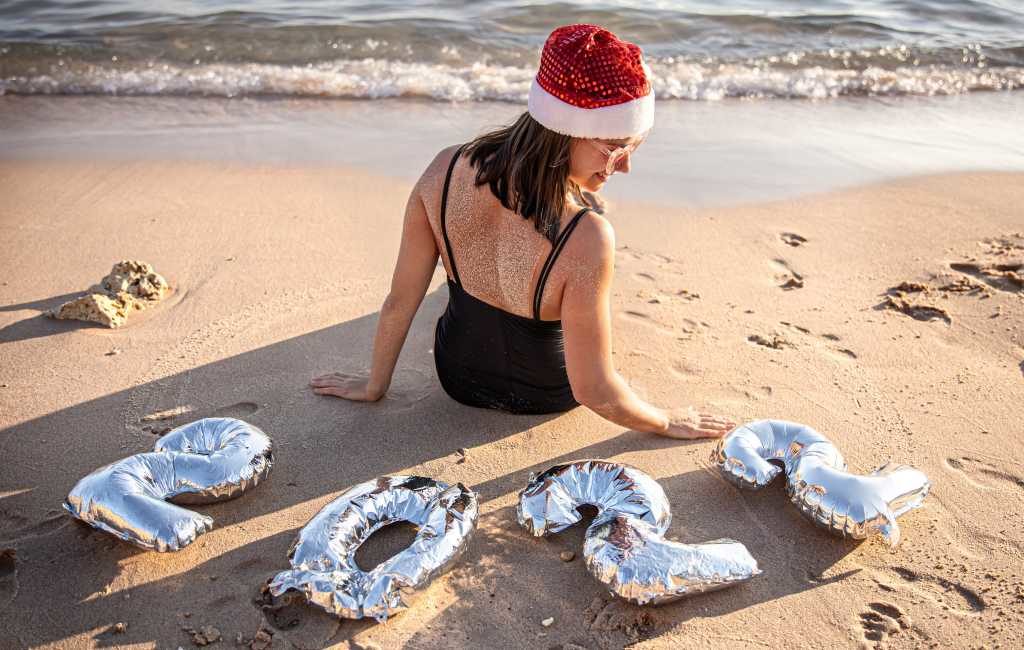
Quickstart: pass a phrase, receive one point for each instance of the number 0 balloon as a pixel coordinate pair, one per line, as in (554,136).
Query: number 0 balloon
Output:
(323,562)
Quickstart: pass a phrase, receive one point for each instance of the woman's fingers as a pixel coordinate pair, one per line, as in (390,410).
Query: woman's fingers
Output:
(328,390)
(332,379)
(345,392)
(716,424)
(341,385)
(714,420)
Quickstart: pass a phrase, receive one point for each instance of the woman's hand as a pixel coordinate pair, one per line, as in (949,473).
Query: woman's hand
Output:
(688,423)
(352,387)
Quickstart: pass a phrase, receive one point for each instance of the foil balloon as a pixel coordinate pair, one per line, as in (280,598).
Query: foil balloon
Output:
(634,560)
(549,503)
(817,481)
(323,555)
(208,460)
(624,546)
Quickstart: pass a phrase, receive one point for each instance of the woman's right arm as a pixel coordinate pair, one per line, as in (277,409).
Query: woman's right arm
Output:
(586,321)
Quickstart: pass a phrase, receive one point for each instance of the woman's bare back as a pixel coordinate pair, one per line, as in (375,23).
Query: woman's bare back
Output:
(498,254)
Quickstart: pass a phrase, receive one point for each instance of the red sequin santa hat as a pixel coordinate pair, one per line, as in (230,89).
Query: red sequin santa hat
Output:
(591,84)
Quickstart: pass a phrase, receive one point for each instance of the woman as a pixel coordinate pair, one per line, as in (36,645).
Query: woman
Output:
(529,262)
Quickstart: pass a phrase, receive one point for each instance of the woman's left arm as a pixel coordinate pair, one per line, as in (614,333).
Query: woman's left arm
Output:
(417,259)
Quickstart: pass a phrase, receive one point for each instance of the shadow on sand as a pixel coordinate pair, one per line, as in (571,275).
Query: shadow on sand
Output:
(89,581)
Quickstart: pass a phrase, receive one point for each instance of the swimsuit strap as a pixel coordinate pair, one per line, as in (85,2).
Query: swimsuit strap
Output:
(550,262)
(444,206)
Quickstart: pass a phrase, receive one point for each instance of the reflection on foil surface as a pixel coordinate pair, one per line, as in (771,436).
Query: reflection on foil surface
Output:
(213,459)
(323,562)
(625,548)
(848,505)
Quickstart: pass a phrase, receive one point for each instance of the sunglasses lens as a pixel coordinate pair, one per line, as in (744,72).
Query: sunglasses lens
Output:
(613,160)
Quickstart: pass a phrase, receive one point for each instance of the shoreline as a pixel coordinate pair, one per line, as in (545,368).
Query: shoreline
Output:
(701,154)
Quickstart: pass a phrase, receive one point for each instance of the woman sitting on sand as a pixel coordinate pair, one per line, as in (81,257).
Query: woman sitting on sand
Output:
(529,261)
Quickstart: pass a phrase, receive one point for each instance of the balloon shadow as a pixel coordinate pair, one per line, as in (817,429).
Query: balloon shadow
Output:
(528,580)
(76,583)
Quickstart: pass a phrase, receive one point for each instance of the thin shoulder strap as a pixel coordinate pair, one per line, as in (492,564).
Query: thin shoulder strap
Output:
(444,207)
(550,262)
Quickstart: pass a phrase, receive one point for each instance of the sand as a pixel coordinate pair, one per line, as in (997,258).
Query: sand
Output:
(773,309)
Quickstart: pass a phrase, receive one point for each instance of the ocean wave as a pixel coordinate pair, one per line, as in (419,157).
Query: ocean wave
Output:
(376,78)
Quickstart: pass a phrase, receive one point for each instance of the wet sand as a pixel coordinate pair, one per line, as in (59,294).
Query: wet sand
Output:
(774,309)
(699,154)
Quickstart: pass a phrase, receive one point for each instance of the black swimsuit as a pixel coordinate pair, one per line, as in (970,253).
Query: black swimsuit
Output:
(490,358)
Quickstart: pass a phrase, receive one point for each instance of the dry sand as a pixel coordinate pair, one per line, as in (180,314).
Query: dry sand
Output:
(278,275)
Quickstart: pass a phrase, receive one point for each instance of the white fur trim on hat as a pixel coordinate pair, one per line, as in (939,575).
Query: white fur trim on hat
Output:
(612,122)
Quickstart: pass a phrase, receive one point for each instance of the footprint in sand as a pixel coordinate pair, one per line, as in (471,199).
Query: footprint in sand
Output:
(658,296)
(237,410)
(645,263)
(944,592)
(792,239)
(983,474)
(882,620)
(785,275)
(160,422)
(833,351)
(628,253)
(647,320)
(1004,276)
(758,392)
(774,341)
(1010,244)
(802,330)
(898,299)
(659,273)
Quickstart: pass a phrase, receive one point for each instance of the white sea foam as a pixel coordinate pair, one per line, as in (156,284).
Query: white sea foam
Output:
(377,78)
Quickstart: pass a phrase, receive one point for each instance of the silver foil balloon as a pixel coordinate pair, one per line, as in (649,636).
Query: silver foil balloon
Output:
(208,460)
(550,501)
(817,481)
(638,564)
(624,546)
(323,562)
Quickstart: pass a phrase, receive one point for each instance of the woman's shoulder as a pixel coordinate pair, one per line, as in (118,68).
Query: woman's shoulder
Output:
(593,240)
(442,159)
(433,176)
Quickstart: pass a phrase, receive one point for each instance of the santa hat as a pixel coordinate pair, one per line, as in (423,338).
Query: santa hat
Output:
(591,84)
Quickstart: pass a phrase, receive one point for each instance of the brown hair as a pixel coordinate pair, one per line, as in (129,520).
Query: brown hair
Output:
(527,167)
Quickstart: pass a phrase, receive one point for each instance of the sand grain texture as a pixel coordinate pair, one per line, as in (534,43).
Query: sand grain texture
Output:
(279,273)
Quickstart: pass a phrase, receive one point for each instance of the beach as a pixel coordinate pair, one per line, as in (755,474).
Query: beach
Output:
(753,301)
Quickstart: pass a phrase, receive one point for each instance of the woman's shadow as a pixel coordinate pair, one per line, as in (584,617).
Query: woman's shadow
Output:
(322,446)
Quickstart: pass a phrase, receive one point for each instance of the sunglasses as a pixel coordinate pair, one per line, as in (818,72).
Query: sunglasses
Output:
(616,154)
